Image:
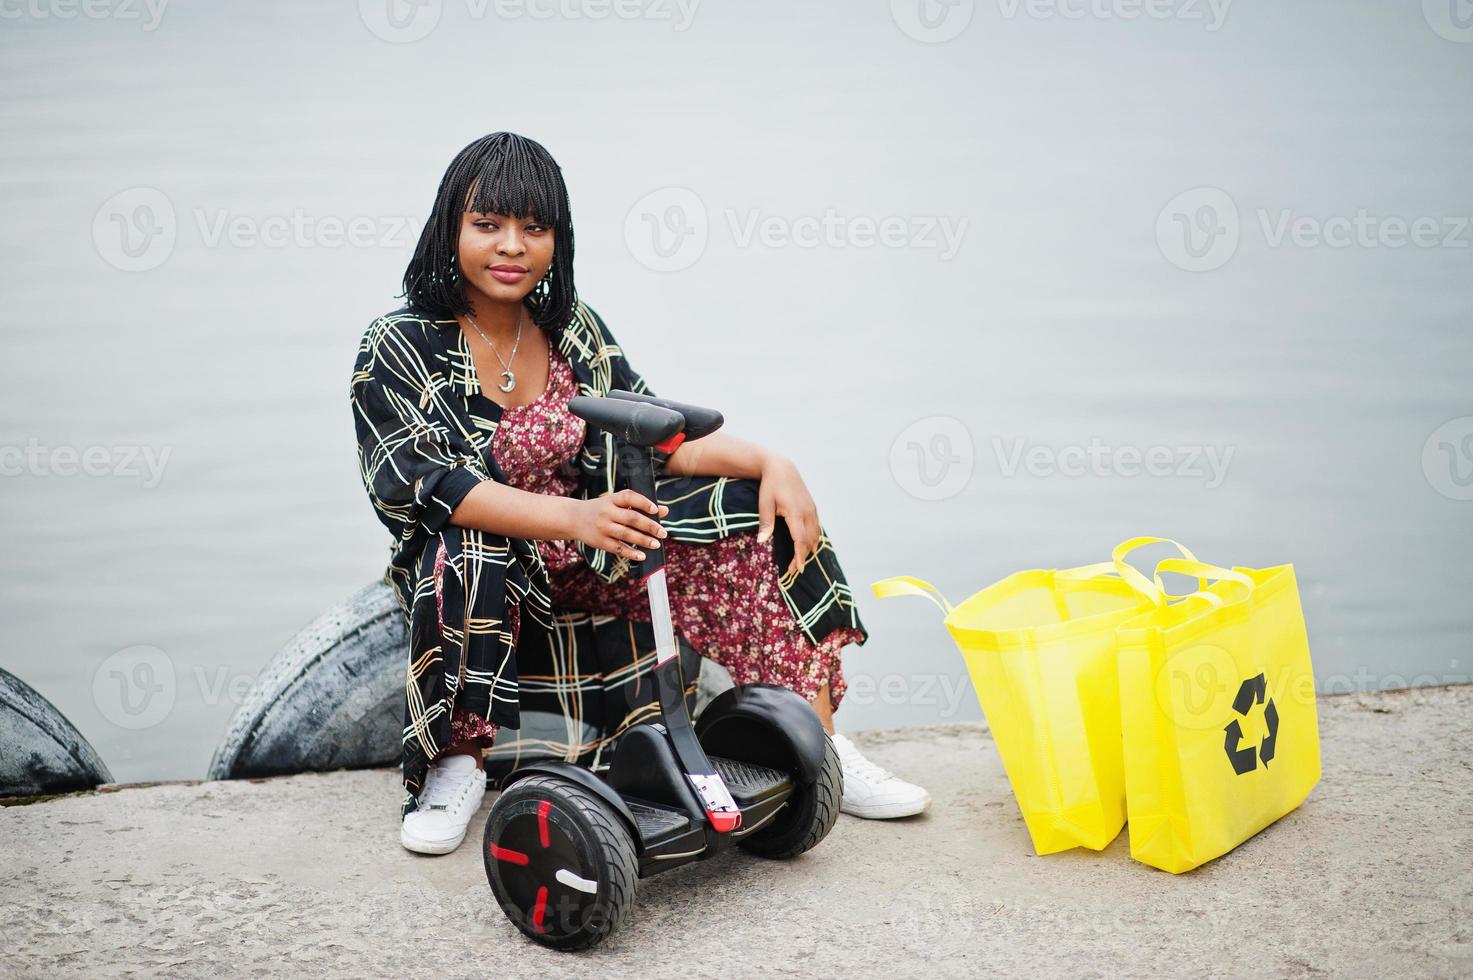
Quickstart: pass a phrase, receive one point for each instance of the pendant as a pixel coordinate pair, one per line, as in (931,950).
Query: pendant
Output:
(511,381)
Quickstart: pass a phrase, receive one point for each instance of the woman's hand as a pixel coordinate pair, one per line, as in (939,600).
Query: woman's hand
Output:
(622,523)
(784,494)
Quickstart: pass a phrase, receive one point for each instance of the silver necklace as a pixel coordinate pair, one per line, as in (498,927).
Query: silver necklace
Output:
(506,371)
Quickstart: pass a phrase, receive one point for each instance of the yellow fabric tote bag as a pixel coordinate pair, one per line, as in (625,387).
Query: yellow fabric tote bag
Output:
(1218,710)
(1040,648)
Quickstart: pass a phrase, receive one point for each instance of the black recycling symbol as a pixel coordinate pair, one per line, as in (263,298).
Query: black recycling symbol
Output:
(1245,759)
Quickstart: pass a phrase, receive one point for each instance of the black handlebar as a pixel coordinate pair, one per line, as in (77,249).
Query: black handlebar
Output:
(634,423)
(698,421)
(639,422)
(644,420)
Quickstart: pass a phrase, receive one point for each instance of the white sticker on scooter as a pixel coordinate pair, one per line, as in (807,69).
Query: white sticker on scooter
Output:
(666,647)
(573,881)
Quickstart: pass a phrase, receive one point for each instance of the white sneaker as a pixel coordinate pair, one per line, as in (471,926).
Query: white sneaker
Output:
(451,796)
(873,792)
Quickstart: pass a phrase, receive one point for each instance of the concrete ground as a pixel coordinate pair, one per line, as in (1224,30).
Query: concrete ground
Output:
(1372,877)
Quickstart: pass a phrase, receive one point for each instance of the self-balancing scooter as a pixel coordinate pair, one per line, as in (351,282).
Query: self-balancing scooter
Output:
(564,847)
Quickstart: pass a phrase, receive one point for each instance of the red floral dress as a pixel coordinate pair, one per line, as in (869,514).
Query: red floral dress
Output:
(724,595)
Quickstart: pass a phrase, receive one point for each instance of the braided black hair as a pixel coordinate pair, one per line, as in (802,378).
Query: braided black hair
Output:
(502,173)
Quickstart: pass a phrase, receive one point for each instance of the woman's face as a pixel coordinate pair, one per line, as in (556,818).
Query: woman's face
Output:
(504,256)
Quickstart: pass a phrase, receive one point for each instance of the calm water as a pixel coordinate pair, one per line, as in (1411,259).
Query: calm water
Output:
(971,287)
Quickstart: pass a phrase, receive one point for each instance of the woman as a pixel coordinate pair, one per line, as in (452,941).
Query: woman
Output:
(505,506)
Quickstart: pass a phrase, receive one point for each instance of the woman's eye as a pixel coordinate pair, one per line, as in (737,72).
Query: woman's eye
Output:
(486,224)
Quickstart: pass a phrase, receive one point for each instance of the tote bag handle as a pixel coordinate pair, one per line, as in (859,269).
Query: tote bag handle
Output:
(1203,572)
(907,585)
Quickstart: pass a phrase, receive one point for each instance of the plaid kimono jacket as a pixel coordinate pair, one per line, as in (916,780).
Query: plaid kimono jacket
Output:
(421,451)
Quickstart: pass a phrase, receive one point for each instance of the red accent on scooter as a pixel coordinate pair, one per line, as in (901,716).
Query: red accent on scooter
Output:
(724,821)
(539,911)
(542,812)
(671,444)
(510,857)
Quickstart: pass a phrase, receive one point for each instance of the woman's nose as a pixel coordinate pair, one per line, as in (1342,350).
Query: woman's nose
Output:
(511,243)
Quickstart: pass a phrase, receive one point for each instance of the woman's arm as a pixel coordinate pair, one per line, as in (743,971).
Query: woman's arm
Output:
(622,523)
(719,454)
(782,492)
(499,508)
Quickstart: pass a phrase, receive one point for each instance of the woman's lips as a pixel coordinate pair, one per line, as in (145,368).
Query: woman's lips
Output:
(508,273)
